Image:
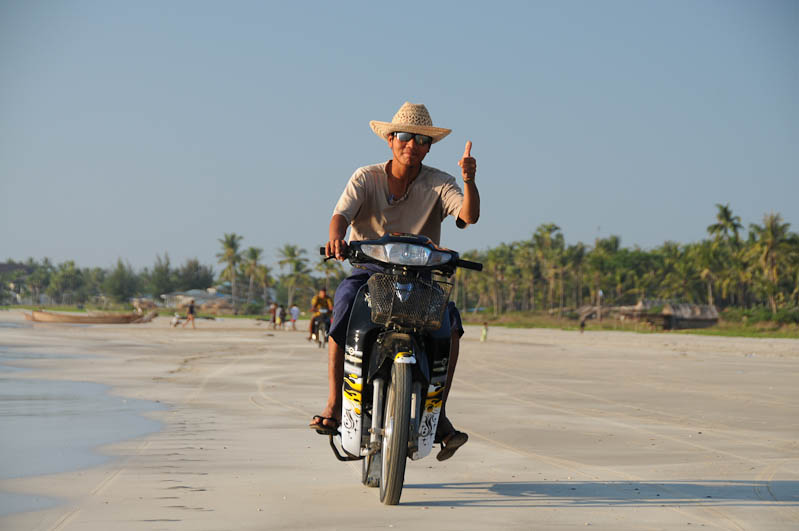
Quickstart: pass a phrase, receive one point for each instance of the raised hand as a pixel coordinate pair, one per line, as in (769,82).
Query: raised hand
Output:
(467,163)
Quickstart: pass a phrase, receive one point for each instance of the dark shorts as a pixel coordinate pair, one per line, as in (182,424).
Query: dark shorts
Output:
(345,296)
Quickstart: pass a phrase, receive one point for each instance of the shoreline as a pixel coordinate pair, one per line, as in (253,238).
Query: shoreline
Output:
(617,430)
(66,424)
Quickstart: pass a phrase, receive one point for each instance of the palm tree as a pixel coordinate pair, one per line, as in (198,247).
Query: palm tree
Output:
(251,258)
(297,271)
(600,267)
(524,259)
(549,242)
(40,278)
(66,283)
(772,245)
(465,280)
(575,258)
(264,277)
(230,257)
(707,255)
(794,262)
(495,263)
(670,255)
(725,224)
(677,284)
(738,275)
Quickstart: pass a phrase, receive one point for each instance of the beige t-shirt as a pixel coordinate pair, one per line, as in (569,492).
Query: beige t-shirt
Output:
(430,198)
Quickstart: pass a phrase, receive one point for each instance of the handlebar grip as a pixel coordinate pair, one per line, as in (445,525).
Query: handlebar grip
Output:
(323,252)
(468,264)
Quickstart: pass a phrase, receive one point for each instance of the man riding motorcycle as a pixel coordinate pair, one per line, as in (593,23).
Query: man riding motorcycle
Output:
(401,195)
(319,301)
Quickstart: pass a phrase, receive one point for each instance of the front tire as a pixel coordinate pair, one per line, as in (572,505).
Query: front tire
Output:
(396,427)
(323,335)
(318,333)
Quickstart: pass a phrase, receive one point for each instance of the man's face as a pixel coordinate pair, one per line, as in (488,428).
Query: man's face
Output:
(322,293)
(407,153)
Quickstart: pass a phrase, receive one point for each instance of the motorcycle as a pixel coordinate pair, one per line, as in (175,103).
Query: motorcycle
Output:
(395,357)
(321,328)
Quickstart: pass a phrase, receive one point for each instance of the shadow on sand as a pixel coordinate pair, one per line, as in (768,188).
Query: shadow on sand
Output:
(610,493)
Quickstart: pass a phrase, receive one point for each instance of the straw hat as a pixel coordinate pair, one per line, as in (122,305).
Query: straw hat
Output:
(410,118)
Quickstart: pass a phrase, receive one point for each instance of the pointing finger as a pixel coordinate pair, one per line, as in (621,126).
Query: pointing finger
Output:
(468,150)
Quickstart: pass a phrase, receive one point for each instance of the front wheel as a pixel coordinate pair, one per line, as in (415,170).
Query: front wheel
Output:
(321,332)
(323,335)
(396,427)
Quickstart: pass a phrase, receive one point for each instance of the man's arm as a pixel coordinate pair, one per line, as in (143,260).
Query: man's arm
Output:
(336,245)
(470,209)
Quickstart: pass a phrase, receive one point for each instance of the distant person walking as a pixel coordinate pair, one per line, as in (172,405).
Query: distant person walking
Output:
(190,314)
(484,334)
(295,314)
(281,316)
(273,314)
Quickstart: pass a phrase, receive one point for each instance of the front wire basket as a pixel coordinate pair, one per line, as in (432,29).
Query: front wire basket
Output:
(408,302)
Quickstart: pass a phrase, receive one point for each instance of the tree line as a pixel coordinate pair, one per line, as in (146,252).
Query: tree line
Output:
(251,283)
(759,268)
(67,284)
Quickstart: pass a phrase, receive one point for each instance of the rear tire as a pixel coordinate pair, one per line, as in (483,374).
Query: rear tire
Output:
(396,427)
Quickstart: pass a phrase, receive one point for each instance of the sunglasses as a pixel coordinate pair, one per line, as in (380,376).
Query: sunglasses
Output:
(422,140)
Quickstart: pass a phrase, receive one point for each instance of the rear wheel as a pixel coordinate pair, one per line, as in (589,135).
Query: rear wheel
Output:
(396,426)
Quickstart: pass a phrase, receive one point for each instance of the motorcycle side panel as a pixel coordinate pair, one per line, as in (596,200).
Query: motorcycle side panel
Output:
(429,422)
(352,413)
(439,350)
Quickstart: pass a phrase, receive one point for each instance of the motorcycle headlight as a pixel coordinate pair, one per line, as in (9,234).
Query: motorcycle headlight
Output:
(405,254)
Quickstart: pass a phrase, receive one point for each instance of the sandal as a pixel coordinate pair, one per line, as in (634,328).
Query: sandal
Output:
(450,444)
(324,429)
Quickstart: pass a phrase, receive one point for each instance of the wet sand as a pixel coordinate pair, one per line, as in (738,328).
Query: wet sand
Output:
(612,430)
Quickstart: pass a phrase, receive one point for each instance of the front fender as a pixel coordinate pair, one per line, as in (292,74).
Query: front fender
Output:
(396,347)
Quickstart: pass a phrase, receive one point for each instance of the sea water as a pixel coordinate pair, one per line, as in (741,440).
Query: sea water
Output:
(51,426)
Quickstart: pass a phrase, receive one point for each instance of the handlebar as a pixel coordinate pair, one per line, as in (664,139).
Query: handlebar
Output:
(468,264)
(322,252)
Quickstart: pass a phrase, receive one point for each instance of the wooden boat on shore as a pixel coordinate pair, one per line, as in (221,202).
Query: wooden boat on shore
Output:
(82,318)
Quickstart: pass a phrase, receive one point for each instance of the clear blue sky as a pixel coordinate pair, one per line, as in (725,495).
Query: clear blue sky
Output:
(134,128)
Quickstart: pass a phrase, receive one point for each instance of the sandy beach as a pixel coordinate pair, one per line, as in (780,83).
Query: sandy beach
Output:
(610,430)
